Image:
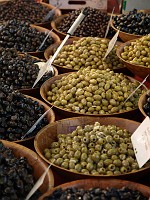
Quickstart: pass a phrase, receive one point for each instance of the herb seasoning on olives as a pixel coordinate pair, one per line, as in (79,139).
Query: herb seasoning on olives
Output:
(94,91)
(94,24)
(21,36)
(18,114)
(27,10)
(94,149)
(134,22)
(19,71)
(96,194)
(16,179)
(88,52)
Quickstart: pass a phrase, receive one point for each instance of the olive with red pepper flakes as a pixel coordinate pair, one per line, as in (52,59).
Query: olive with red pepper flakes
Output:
(94,24)
(134,22)
(27,10)
(21,36)
(96,194)
(16,179)
(19,71)
(18,114)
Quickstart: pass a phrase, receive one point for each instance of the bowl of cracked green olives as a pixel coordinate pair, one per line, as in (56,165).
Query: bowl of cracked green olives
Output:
(135,54)
(92,92)
(84,52)
(84,147)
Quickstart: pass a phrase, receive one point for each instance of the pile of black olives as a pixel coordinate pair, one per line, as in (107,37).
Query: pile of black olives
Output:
(18,114)
(19,71)
(16,179)
(21,36)
(94,149)
(27,10)
(146,106)
(134,22)
(96,194)
(94,24)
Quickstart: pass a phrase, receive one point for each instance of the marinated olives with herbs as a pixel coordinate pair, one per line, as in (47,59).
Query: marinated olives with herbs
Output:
(16,179)
(134,22)
(138,52)
(27,10)
(94,149)
(88,52)
(94,24)
(18,114)
(19,71)
(96,194)
(94,91)
(21,36)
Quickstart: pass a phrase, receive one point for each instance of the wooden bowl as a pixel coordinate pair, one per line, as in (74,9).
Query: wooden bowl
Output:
(62,69)
(46,87)
(49,134)
(125,36)
(142,102)
(101,183)
(50,7)
(40,54)
(39,166)
(138,70)
(50,117)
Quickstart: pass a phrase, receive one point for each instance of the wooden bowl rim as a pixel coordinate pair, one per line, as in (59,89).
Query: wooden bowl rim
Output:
(120,50)
(79,183)
(52,119)
(142,99)
(41,132)
(125,33)
(81,114)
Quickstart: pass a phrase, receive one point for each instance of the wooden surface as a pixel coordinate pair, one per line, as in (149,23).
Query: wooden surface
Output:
(103,184)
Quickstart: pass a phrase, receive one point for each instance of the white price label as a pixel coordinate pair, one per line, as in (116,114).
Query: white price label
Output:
(141,142)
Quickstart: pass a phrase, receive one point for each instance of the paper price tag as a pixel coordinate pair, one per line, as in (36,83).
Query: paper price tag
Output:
(141,142)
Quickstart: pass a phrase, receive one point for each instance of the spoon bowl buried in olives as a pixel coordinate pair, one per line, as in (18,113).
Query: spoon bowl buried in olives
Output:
(74,145)
(135,55)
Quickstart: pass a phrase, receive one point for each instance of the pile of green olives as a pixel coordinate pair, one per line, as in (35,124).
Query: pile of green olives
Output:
(138,52)
(88,52)
(95,149)
(94,91)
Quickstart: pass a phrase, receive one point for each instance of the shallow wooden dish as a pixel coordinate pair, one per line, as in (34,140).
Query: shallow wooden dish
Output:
(137,70)
(141,102)
(62,69)
(40,54)
(46,86)
(35,161)
(50,116)
(49,134)
(125,36)
(48,23)
(100,183)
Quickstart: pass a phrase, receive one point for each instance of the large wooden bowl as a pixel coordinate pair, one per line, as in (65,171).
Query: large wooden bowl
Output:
(40,54)
(142,102)
(62,69)
(125,36)
(50,117)
(101,183)
(39,166)
(46,87)
(50,7)
(49,134)
(139,70)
